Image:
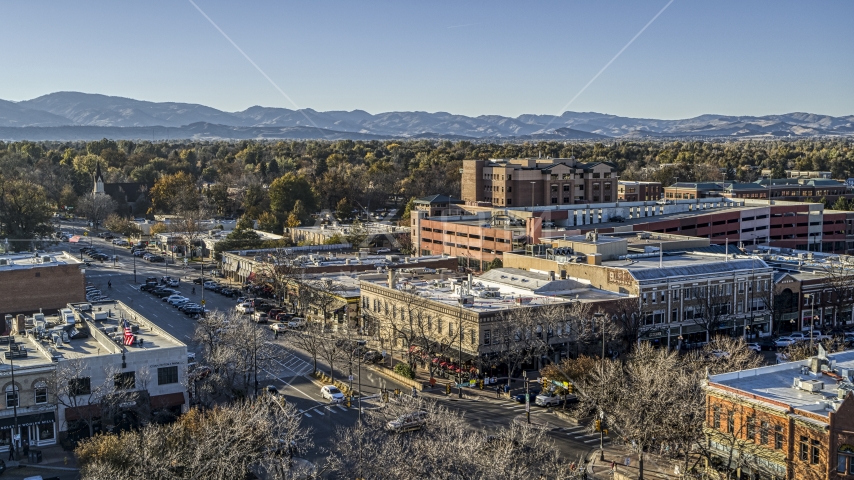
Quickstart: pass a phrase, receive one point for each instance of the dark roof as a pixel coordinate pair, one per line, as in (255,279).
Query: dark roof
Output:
(744,186)
(698,186)
(699,269)
(438,199)
(98,175)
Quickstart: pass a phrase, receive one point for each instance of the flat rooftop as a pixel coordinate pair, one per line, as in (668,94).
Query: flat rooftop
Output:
(775,383)
(501,289)
(325,259)
(21,261)
(105,321)
(684,264)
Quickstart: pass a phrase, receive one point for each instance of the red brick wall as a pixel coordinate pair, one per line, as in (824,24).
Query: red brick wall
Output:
(48,288)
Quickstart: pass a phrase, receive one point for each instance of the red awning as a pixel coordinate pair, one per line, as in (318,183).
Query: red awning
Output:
(251,277)
(167,400)
(84,411)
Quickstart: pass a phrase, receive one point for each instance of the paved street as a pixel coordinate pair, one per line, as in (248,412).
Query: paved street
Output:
(290,369)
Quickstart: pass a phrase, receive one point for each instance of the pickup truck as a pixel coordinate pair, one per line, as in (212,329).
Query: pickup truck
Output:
(260,317)
(244,307)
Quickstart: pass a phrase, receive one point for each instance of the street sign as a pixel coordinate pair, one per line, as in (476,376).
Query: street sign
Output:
(527,403)
(203,303)
(350,378)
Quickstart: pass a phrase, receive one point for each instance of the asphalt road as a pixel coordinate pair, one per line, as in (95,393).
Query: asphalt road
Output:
(289,372)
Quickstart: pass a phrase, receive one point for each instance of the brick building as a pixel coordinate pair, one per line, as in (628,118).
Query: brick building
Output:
(46,281)
(635,191)
(522,182)
(785,189)
(788,421)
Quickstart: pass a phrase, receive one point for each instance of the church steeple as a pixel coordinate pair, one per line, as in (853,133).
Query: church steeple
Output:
(99,179)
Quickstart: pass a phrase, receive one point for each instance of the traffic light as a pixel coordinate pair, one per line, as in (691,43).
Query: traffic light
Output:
(348,401)
(448,388)
(570,388)
(481,384)
(598,425)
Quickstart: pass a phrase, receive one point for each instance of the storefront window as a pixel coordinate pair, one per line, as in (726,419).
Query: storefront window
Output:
(5,438)
(46,432)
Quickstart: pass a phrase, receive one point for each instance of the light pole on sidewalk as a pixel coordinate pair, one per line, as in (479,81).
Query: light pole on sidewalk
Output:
(601,316)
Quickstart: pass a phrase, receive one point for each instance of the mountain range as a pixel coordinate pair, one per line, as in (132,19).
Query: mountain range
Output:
(84,116)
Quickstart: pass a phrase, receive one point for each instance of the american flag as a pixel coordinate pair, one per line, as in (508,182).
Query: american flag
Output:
(129,336)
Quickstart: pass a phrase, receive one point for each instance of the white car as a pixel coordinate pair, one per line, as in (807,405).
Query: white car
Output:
(173,282)
(383,250)
(245,308)
(177,300)
(279,327)
(755,347)
(331,393)
(410,421)
(783,342)
(174,296)
(296,322)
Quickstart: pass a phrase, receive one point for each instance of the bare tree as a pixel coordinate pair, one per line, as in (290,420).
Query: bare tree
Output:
(96,208)
(309,338)
(519,337)
(72,386)
(443,450)
(839,290)
(222,443)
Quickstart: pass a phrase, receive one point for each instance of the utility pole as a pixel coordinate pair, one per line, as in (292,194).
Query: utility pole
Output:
(601,316)
(17,394)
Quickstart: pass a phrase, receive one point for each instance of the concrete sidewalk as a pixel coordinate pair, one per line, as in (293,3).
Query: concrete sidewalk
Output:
(626,465)
(54,457)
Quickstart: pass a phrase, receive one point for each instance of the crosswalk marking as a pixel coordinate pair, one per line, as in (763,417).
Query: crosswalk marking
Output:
(307,415)
(342,408)
(318,411)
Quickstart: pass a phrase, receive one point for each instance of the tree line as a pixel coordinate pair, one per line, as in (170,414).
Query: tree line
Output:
(282,183)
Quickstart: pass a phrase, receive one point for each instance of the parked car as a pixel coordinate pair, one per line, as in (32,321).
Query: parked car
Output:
(331,393)
(409,421)
(784,342)
(755,347)
(520,398)
(227,292)
(245,307)
(260,317)
(279,327)
(383,250)
(176,300)
(296,322)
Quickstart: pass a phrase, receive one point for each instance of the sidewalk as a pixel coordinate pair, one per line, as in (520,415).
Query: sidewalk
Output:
(626,463)
(54,457)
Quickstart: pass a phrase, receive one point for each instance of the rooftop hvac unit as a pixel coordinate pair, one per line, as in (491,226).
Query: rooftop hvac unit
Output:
(46,259)
(4,261)
(811,386)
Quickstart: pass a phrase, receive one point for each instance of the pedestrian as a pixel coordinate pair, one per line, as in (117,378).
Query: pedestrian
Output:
(277,334)
(414,392)
(194,290)
(26,448)
(12,450)
(498,391)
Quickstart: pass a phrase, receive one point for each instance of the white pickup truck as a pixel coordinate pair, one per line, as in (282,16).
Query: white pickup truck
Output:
(244,307)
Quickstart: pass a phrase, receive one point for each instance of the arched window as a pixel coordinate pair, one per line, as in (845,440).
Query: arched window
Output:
(11,396)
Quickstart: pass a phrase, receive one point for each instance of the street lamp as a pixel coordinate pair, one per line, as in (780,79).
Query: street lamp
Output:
(601,316)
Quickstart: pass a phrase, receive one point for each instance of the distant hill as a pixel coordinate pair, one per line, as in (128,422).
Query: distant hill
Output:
(74,115)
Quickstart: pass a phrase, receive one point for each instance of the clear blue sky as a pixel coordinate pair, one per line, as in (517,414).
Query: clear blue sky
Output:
(475,58)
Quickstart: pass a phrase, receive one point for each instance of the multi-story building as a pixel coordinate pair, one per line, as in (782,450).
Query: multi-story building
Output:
(791,421)
(443,317)
(636,191)
(785,189)
(47,280)
(685,291)
(521,182)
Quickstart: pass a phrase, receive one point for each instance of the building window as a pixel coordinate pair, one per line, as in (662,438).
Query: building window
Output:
(815,445)
(12,396)
(716,417)
(125,381)
(805,448)
(167,375)
(473,337)
(79,386)
(41,393)
(845,459)
(763,432)
(487,337)
(730,422)
(751,428)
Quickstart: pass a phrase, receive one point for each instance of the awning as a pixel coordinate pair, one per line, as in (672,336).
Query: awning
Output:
(251,277)
(74,239)
(27,420)
(168,400)
(84,411)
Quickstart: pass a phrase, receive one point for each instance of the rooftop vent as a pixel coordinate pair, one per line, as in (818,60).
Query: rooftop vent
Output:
(811,386)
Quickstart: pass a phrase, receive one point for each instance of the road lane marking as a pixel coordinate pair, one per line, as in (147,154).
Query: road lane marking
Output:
(308,415)
(342,408)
